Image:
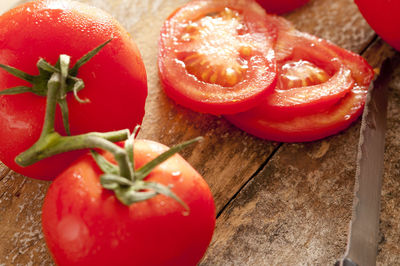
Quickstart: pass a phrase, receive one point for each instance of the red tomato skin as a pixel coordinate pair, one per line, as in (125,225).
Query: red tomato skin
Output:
(383,17)
(115,79)
(188,91)
(84,224)
(304,128)
(281,6)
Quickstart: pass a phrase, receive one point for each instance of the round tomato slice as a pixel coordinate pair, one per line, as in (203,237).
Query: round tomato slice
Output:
(280,119)
(311,74)
(216,56)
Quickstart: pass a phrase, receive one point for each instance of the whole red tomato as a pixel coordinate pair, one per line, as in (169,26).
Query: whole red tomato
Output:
(115,78)
(281,6)
(84,224)
(383,17)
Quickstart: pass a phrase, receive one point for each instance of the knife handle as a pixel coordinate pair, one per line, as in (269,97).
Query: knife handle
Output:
(345,262)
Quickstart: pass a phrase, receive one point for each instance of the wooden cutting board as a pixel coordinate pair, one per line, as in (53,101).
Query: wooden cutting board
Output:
(276,203)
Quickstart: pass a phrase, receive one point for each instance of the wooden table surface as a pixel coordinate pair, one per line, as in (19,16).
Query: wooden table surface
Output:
(276,203)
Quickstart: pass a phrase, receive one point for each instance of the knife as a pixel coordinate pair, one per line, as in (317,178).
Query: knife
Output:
(362,243)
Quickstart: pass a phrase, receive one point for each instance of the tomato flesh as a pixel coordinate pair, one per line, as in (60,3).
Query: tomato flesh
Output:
(216,56)
(84,224)
(294,74)
(310,75)
(321,90)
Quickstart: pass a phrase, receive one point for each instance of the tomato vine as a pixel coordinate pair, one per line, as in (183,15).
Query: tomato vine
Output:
(127,183)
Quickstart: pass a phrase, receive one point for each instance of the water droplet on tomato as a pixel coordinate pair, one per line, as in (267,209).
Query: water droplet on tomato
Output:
(176,173)
(114,243)
(73,235)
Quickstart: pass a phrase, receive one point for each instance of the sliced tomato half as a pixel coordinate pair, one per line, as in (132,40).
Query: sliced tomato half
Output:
(311,74)
(321,90)
(217,57)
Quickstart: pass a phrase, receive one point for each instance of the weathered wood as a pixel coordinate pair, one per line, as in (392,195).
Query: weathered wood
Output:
(20,209)
(389,247)
(291,201)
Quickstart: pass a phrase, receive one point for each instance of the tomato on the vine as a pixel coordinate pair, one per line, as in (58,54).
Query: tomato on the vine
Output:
(383,17)
(321,89)
(216,56)
(115,79)
(281,6)
(85,224)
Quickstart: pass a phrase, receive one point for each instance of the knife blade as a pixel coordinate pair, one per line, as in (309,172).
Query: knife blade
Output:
(362,245)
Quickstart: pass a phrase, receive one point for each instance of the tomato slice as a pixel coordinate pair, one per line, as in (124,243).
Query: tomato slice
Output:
(217,57)
(314,111)
(302,128)
(311,76)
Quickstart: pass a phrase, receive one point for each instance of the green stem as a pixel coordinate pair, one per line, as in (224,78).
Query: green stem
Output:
(119,153)
(53,144)
(51,103)
(62,98)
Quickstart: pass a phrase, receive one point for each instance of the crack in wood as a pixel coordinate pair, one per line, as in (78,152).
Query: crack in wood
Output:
(5,173)
(369,45)
(262,166)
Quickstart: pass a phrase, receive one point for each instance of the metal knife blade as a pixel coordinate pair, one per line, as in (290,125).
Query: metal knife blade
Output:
(364,227)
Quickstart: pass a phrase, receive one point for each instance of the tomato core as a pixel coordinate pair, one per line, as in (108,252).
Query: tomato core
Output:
(216,52)
(294,74)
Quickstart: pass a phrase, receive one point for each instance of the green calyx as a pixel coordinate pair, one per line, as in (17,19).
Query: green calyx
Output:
(131,187)
(60,73)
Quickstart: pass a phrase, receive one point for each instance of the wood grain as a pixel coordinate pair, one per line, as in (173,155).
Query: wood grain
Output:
(281,204)
(389,247)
